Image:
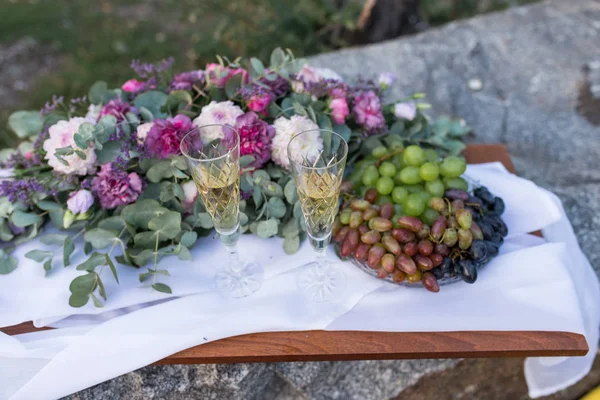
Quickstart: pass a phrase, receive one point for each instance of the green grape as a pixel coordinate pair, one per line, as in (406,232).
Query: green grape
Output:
(424,195)
(429,171)
(395,223)
(414,156)
(370,176)
(456,183)
(383,199)
(379,151)
(414,188)
(387,169)
(435,188)
(399,194)
(410,175)
(429,216)
(432,156)
(453,167)
(398,209)
(385,185)
(363,190)
(398,161)
(414,205)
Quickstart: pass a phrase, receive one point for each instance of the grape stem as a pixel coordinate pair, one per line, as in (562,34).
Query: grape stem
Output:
(390,155)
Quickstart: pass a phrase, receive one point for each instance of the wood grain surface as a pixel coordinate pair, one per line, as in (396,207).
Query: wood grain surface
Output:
(361,345)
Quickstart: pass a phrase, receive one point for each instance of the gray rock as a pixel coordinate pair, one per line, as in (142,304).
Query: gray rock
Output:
(530,62)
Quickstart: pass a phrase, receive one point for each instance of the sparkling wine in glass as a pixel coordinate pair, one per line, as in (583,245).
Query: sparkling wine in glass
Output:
(212,153)
(318,176)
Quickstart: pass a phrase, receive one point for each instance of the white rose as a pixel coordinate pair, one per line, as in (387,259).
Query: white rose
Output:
(93,113)
(221,113)
(61,135)
(285,129)
(142,131)
(405,110)
(81,201)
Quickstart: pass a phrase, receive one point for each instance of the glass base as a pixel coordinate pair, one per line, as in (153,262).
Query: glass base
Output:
(321,283)
(241,282)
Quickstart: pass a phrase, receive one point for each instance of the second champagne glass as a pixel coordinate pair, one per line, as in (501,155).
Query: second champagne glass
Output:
(213,156)
(318,176)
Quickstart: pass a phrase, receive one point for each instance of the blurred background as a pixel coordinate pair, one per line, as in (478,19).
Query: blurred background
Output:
(61,47)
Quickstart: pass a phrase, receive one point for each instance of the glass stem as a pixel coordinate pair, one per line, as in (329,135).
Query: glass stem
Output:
(320,247)
(231,244)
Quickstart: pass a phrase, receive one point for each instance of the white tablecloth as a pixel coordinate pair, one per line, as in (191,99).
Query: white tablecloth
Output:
(533,285)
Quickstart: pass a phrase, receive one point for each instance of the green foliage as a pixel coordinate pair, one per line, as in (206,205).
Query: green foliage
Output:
(25,123)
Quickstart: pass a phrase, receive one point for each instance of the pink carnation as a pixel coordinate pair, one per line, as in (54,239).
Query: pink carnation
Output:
(367,111)
(219,75)
(133,86)
(114,187)
(165,136)
(259,102)
(339,110)
(117,108)
(255,137)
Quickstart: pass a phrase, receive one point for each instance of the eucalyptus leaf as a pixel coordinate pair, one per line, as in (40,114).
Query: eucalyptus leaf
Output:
(290,193)
(109,152)
(96,301)
(48,265)
(146,114)
(168,224)
(161,287)
(291,244)
(79,299)
(153,101)
(272,189)
(268,228)
(246,160)
(114,223)
(95,260)
(84,284)
(38,255)
(159,171)
(139,213)
(100,238)
(184,254)
(25,123)
(204,220)
(22,219)
(146,240)
(8,263)
(99,93)
(68,249)
(112,267)
(143,257)
(189,238)
(54,239)
(47,205)
(276,207)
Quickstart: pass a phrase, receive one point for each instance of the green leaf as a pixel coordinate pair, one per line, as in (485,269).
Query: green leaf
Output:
(189,238)
(146,114)
(54,239)
(68,249)
(272,189)
(278,57)
(161,287)
(205,220)
(38,255)
(6,234)
(100,238)
(112,267)
(145,240)
(78,299)
(25,123)
(101,288)
(276,207)
(267,228)
(257,65)
(114,223)
(109,152)
(23,219)
(184,254)
(233,86)
(343,130)
(97,302)
(257,196)
(290,228)
(8,263)
(139,213)
(99,93)
(168,225)
(57,217)
(143,257)
(159,171)
(48,265)
(153,101)
(290,192)
(246,160)
(95,260)
(144,276)
(47,205)
(84,284)
(291,244)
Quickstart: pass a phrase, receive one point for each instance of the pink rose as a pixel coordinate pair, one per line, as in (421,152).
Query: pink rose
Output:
(259,102)
(339,110)
(133,86)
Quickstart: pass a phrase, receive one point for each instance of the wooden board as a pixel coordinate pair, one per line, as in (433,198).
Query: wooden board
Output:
(345,345)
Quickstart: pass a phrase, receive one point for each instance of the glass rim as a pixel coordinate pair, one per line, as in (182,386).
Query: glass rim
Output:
(318,130)
(191,131)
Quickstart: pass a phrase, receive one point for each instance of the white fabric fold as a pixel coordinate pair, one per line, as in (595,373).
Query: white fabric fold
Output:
(531,285)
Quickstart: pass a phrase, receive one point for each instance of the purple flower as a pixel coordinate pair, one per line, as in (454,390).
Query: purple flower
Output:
(367,111)
(279,86)
(80,201)
(386,79)
(22,190)
(255,137)
(165,136)
(146,70)
(50,107)
(115,187)
(257,98)
(117,108)
(133,86)
(187,80)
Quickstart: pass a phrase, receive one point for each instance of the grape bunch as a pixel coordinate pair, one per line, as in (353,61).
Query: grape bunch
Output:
(418,229)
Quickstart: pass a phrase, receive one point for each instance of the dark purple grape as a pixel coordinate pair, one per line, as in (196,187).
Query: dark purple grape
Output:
(484,194)
(438,273)
(492,248)
(387,211)
(457,194)
(474,201)
(478,250)
(467,269)
(497,238)
(476,231)
(442,249)
(486,229)
(476,215)
(499,205)
(446,267)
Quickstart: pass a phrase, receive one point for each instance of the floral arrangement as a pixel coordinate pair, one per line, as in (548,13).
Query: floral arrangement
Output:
(107,167)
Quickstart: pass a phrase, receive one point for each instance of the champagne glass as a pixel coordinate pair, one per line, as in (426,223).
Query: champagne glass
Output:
(212,153)
(318,175)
